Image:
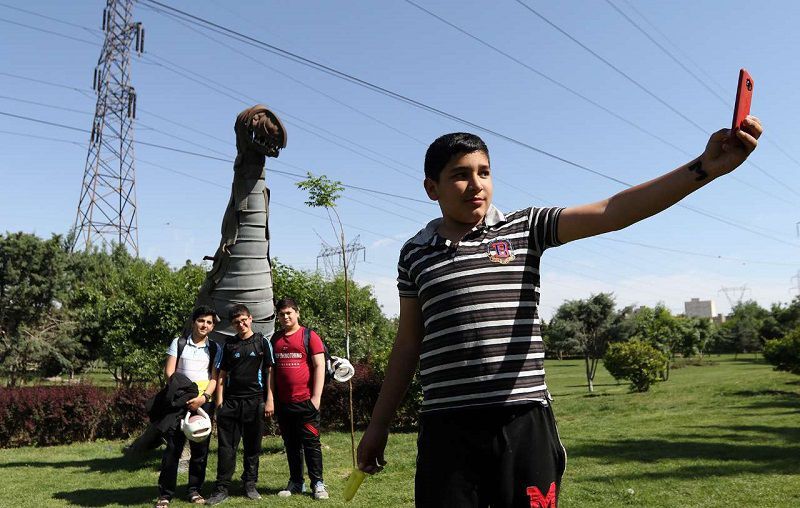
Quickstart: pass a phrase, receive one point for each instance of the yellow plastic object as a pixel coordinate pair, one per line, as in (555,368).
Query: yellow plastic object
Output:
(353,483)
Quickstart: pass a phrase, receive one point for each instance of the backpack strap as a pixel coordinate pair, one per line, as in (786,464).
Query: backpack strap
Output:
(181,345)
(260,345)
(307,342)
(212,354)
(275,336)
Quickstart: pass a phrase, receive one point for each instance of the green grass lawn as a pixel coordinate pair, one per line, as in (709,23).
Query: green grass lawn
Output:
(721,435)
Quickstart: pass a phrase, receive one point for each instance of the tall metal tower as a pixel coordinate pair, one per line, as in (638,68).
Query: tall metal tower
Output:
(735,295)
(335,262)
(107,205)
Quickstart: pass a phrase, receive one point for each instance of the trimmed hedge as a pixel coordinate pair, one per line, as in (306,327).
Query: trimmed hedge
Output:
(53,415)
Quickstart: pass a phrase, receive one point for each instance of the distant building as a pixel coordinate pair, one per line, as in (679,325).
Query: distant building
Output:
(700,308)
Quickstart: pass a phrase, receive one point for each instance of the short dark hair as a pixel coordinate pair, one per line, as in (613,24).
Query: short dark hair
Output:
(445,147)
(287,302)
(204,310)
(237,310)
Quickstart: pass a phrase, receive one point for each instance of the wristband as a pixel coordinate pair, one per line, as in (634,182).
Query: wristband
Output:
(207,397)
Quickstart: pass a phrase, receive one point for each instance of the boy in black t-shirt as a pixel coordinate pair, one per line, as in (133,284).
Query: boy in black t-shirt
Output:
(241,404)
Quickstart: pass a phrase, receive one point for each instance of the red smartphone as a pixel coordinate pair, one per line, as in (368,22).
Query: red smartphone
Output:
(744,95)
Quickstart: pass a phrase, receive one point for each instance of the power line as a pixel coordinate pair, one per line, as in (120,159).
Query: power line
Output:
(641,86)
(51,32)
(376,88)
(611,112)
(733,177)
(714,93)
(709,77)
(614,67)
(297,80)
(669,54)
(189,152)
(371,86)
(706,214)
(279,203)
(350,186)
(692,253)
(239,97)
(585,98)
(90,30)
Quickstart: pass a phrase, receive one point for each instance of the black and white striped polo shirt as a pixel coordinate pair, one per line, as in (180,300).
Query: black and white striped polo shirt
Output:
(479,299)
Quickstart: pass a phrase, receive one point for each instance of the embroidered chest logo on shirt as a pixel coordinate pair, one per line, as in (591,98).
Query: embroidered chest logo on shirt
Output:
(500,251)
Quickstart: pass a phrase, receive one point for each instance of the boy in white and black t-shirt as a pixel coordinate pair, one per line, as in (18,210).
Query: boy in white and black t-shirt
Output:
(196,357)
(469,293)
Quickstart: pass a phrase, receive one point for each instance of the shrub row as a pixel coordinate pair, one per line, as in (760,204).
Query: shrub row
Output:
(366,386)
(52,415)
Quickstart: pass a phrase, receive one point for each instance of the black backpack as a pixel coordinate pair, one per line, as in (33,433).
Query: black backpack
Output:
(329,370)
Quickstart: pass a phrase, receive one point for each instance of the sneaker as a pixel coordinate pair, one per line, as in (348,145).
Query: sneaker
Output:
(194,497)
(292,488)
(251,492)
(320,492)
(217,497)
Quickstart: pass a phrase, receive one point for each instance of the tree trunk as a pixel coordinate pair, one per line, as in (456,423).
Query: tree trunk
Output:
(589,376)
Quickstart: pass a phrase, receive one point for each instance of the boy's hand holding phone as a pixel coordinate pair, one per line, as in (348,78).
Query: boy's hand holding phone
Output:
(727,149)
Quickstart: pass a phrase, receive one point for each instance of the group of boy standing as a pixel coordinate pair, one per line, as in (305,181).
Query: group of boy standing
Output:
(243,382)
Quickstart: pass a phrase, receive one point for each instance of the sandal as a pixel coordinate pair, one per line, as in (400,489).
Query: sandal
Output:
(162,502)
(196,498)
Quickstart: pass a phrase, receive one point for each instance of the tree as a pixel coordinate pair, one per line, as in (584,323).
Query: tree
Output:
(697,337)
(132,309)
(323,193)
(781,320)
(33,331)
(591,323)
(784,353)
(658,327)
(742,331)
(322,301)
(560,338)
(635,361)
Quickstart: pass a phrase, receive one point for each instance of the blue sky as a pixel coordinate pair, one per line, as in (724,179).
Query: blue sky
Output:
(370,140)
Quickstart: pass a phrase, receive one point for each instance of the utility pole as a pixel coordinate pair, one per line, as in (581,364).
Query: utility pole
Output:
(335,260)
(107,204)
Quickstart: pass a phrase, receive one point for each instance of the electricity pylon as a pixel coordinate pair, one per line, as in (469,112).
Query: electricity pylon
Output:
(734,294)
(107,204)
(335,260)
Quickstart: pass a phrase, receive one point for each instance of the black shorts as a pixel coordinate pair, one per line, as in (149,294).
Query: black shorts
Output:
(508,456)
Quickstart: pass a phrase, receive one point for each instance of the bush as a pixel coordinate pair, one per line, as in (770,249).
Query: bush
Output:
(53,415)
(366,387)
(784,353)
(635,361)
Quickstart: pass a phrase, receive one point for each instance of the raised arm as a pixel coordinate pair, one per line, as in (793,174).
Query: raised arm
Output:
(402,364)
(722,155)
